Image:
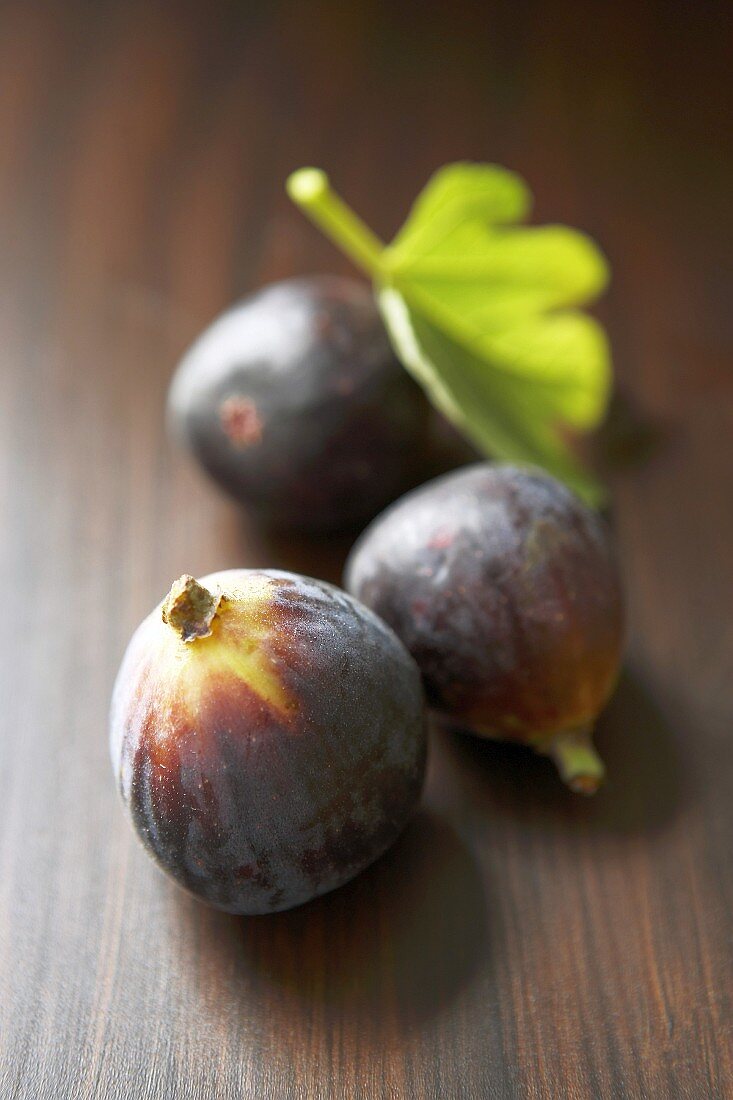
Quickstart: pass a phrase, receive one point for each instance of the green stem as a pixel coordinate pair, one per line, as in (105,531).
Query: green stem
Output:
(579,764)
(310,190)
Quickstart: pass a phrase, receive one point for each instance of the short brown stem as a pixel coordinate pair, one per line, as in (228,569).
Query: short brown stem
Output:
(189,608)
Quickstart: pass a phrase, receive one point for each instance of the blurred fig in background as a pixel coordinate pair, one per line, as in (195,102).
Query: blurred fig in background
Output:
(503,586)
(267,736)
(294,403)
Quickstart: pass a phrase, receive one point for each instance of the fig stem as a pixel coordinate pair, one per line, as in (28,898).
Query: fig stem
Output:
(189,608)
(309,188)
(576,759)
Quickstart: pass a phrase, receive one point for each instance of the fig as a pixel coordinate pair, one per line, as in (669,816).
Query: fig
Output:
(268,737)
(504,589)
(294,403)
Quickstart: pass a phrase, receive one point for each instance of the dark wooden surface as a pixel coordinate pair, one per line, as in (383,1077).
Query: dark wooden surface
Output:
(517,942)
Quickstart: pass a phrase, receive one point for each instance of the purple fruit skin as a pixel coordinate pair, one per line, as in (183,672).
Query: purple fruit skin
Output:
(294,403)
(253,808)
(504,588)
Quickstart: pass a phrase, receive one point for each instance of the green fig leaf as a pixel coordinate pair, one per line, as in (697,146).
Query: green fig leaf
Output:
(485,312)
(495,409)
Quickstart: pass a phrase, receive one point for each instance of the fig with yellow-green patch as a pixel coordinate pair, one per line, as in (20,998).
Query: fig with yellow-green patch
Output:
(268,737)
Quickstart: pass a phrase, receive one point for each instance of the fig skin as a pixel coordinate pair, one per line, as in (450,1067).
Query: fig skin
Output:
(503,587)
(277,751)
(294,403)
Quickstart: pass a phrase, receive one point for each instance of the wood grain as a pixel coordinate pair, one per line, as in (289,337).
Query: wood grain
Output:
(517,942)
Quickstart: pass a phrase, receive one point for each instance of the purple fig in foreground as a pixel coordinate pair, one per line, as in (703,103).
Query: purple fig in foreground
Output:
(267,736)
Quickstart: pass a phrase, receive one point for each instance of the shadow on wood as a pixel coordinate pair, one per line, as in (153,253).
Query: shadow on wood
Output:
(314,556)
(409,932)
(644,786)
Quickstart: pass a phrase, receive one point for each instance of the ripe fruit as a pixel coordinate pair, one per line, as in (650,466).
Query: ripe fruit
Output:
(294,403)
(268,737)
(503,587)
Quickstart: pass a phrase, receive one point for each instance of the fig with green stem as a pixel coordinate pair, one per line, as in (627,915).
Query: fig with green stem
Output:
(504,588)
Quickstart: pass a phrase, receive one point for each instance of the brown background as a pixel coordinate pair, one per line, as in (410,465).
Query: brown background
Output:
(518,941)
